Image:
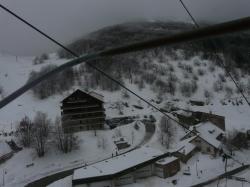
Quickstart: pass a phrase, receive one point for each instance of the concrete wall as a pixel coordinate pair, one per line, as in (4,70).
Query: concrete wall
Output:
(144,172)
(125,179)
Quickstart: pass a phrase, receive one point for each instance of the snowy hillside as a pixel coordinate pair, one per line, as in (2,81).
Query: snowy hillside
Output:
(167,79)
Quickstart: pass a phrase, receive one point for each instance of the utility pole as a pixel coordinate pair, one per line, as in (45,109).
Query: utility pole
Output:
(4,172)
(226,168)
(196,167)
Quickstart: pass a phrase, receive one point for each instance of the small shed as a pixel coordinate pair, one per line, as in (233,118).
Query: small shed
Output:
(186,152)
(167,167)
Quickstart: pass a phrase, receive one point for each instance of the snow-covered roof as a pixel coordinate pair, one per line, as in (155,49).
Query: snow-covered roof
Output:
(4,148)
(185,147)
(91,94)
(166,160)
(184,113)
(97,96)
(117,164)
(209,132)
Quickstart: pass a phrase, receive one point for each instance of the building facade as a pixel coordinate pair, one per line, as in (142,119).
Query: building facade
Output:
(127,169)
(82,111)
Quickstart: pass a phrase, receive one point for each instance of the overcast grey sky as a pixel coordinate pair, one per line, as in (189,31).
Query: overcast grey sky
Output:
(67,20)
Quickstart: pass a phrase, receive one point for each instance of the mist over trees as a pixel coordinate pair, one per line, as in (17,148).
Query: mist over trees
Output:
(56,84)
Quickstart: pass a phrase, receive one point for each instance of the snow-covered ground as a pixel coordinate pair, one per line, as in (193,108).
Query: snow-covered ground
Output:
(14,73)
(243,181)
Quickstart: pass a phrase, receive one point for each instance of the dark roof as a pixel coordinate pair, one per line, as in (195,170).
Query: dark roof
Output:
(81,93)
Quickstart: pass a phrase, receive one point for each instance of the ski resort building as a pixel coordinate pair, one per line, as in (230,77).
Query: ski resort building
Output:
(206,137)
(82,111)
(195,117)
(185,149)
(127,168)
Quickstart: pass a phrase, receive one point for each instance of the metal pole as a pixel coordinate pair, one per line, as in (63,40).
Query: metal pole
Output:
(3,177)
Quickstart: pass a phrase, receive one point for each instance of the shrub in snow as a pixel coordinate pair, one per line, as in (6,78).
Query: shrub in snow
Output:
(41,59)
(242,87)
(136,126)
(196,62)
(171,68)
(152,118)
(188,68)
(188,88)
(208,95)
(180,65)
(229,91)
(200,72)
(125,94)
(195,77)
(211,67)
(218,86)
(222,77)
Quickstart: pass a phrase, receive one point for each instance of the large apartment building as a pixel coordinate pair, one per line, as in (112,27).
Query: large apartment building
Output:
(82,111)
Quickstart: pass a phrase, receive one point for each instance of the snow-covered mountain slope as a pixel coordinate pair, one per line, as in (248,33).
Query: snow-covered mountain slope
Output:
(14,72)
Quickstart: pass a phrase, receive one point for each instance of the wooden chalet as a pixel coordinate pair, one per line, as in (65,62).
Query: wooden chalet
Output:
(82,111)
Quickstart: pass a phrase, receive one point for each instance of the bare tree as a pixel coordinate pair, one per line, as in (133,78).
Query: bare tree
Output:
(119,107)
(141,84)
(218,86)
(102,142)
(166,131)
(40,132)
(228,141)
(42,120)
(24,131)
(208,95)
(66,142)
